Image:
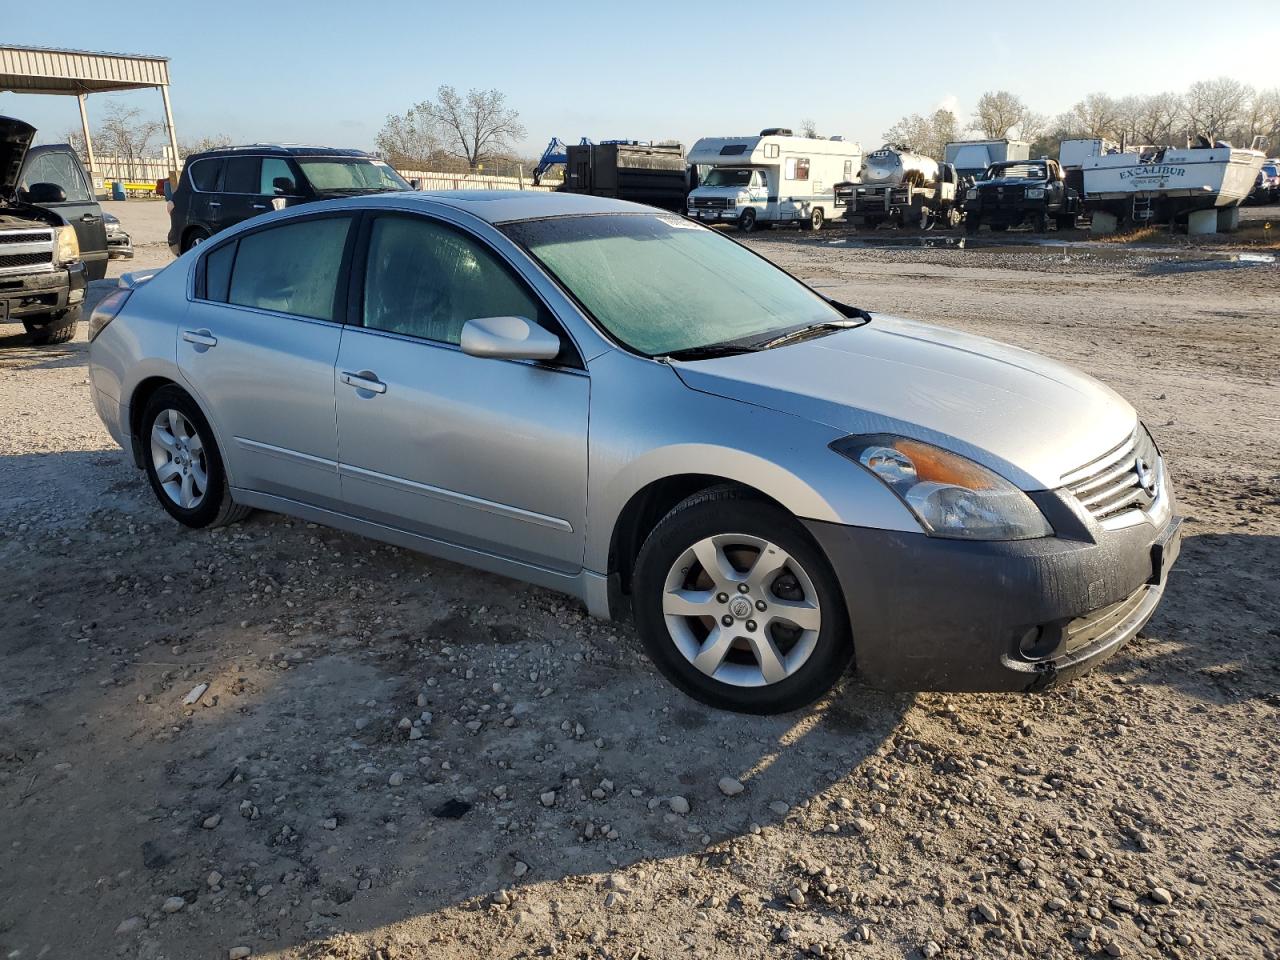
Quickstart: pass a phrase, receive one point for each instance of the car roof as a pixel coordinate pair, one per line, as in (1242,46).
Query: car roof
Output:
(504,206)
(278,150)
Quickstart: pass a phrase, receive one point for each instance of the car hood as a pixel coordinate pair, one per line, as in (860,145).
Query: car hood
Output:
(15,140)
(1029,418)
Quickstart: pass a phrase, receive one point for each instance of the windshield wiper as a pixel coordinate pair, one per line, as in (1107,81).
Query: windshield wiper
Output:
(708,351)
(804,333)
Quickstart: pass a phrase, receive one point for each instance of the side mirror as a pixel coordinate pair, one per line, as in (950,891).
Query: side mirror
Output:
(416,183)
(46,193)
(508,338)
(284,186)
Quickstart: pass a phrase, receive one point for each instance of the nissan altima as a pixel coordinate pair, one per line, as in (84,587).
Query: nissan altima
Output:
(623,405)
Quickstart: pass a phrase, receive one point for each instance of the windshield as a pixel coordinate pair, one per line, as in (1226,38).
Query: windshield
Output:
(727,177)
(1017,171)
(661,284)
(350,175)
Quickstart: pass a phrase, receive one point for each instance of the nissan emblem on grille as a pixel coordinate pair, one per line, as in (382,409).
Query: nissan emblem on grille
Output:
(1146,477)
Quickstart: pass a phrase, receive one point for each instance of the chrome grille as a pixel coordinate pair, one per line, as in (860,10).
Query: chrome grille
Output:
(25,250)
(710,203)
(1113,484)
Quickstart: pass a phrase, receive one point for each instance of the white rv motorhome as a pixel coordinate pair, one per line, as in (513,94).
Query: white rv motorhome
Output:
(772,178)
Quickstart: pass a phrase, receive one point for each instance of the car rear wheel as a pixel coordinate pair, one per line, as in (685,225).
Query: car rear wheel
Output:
(194,237)
(737,606)
(183,463)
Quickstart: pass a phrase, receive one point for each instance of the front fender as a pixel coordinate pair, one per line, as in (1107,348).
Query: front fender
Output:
(646,426)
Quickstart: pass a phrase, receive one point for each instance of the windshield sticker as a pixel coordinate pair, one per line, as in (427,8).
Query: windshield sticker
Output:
(679,223)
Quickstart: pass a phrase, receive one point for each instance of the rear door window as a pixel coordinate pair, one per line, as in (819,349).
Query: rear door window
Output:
(292,268)
(217,272)
(241,175)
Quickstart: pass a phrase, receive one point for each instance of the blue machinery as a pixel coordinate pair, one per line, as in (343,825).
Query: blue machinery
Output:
(558,152)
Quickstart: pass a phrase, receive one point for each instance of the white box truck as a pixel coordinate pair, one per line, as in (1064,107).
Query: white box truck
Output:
(771,178)
(972,157)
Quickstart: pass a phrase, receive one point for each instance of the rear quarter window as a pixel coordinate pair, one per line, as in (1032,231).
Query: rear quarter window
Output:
(204,174)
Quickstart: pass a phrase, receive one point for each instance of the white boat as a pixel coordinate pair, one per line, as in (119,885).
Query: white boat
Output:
(1164,183)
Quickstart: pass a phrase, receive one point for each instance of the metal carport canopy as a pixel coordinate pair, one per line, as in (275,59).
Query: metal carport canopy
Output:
(80,72)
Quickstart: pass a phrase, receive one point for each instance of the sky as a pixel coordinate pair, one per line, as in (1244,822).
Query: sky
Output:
(327,72)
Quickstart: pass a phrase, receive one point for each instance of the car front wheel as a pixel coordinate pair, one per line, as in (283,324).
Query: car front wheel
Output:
(738,607)
(183,463)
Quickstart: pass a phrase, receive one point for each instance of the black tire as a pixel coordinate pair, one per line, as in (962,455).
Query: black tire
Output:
(816,219)
(747,220)
(726,510)
(972,225)
(1040,223)
(215,508)
(1065,221)
(194,237)
(60,328)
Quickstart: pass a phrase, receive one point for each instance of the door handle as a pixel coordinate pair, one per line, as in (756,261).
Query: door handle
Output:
(89,218)
(259,206)
(364,380)
(214,203)
(201,338)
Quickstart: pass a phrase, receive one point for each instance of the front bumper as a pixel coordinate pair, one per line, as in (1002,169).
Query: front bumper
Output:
(39,293)
(934,614)
(119,245)
(714,214)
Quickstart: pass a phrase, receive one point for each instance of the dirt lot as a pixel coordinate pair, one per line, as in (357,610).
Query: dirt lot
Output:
(398,757)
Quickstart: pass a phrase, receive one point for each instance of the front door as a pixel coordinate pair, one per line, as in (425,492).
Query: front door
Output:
(80,209)
(482,453)
(258,346)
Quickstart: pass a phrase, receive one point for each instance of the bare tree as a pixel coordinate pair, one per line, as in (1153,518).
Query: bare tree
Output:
(476,126)
(201,144)
(1155,119)
(124,134)
(1216,108)
(1096,116)
(808,128)
(998,112)
(412,141)
(925,135)
(1262,119)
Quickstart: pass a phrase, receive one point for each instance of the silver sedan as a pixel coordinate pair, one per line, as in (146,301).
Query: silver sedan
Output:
(623,405)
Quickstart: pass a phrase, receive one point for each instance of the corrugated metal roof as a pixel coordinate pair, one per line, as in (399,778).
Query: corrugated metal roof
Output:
(25,69)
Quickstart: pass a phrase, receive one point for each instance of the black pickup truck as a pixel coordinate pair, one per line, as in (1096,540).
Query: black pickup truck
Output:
(1021,191)
(52,237)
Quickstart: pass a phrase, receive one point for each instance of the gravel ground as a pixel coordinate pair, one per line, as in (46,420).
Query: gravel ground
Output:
(279,740)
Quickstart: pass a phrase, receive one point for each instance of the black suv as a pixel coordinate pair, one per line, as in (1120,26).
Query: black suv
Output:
(219,188)
(52,237)
(1021,191)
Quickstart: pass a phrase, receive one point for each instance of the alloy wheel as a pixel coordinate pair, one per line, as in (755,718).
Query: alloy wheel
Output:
(178,456)
(741,610)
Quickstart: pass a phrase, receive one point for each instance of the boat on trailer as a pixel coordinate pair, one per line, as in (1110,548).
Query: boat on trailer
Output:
(1163,184)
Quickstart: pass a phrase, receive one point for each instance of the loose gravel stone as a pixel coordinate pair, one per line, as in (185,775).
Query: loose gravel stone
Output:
(173,905)
(730,787)
(678,805)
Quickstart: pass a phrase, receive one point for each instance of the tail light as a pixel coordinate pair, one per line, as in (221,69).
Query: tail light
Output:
(106,310)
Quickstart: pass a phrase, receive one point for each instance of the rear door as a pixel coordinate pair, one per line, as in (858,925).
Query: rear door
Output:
(238,197)
(80,209)
(258,345)
(200,200)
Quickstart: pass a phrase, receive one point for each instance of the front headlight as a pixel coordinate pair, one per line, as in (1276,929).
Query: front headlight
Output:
(950,495)
(1035,193)
(971,193)
(66,248)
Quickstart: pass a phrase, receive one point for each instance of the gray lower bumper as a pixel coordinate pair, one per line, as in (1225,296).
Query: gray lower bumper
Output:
(934,614)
